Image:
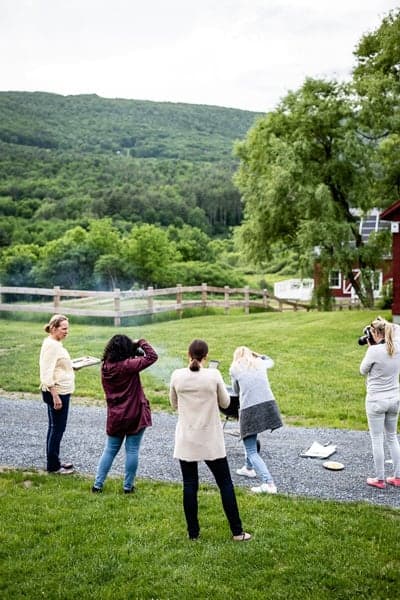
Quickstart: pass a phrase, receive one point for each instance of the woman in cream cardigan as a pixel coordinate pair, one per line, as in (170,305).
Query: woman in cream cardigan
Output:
(57,383)
(197,392)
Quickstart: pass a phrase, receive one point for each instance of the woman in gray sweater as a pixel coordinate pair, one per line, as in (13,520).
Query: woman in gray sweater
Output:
(258,411)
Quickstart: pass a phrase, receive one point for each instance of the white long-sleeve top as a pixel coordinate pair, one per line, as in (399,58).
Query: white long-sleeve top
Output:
(382,372)
(56,367)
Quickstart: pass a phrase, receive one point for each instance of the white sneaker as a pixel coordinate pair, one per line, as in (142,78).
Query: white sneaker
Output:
(63,471)
(265,488)
(246,472)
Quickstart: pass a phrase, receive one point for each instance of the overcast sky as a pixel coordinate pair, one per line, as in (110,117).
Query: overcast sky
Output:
(235,53)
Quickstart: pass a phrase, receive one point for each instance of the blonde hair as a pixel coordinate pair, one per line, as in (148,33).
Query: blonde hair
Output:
(385,328)
(244,358)
(54,322)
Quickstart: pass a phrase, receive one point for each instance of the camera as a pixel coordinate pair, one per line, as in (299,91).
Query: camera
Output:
(138,351)
(366,337)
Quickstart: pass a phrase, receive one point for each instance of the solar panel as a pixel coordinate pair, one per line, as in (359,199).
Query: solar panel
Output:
(372,223)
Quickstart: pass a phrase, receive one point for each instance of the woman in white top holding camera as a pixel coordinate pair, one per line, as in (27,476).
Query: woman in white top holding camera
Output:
(381,365)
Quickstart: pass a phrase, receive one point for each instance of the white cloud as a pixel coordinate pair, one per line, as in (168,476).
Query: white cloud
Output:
(241,53)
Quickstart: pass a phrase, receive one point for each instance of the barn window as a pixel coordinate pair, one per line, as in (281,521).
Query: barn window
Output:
(335,280)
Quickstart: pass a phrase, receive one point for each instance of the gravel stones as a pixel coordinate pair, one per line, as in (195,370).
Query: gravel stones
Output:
(23,426)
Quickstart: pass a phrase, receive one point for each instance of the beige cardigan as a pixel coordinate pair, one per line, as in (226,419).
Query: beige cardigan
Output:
(56,367)
(196,395)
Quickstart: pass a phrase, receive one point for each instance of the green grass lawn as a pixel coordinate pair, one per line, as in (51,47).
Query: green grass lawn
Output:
(59,541)
(315,379)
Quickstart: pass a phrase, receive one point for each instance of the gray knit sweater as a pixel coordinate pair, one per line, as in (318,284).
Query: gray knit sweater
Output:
(258,408)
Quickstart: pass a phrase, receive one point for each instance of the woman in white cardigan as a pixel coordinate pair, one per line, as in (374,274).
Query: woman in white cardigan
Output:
(197,392)
(57,383)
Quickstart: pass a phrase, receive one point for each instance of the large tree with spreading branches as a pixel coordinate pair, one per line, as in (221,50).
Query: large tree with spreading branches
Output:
(310,168)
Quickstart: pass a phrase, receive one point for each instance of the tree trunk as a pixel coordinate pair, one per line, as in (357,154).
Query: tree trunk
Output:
(366,297)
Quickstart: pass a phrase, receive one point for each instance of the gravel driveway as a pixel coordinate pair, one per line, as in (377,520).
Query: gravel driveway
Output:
(23,425)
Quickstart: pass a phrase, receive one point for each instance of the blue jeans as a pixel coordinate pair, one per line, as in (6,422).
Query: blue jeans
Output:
(220,469)
(113,445)
(55,430)
(254,460)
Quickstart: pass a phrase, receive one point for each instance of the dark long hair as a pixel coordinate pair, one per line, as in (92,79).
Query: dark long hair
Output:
(120,347)
(198,349)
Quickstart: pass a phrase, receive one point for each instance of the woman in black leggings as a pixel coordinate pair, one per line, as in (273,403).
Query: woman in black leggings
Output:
(197,392)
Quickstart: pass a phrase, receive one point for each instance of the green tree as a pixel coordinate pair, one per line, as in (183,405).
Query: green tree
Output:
(376,75)
(191,242)
(71,260)
(376,78)
(198,272)
(17,265)
(111,271)
(102,238)
(66,262)
(303,170)
(149,254)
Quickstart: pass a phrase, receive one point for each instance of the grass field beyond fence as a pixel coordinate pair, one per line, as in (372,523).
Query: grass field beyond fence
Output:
(316,376)
(59,541)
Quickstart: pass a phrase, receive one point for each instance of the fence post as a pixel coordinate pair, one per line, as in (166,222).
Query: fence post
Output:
(246,299)
(226,299)
(179,299)
(204,295)
(57,299)
(117,307)
(265,298)
(150,299)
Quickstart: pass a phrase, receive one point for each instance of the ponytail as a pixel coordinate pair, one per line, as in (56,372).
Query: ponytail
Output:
(194,365)
(389,339)
(198,350)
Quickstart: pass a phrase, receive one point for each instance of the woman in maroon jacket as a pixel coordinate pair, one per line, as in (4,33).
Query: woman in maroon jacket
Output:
(128,410)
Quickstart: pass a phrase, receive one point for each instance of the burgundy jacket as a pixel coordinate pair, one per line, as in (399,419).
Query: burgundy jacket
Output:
(128,410)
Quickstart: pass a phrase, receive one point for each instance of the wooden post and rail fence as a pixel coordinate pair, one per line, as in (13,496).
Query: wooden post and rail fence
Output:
(117,304)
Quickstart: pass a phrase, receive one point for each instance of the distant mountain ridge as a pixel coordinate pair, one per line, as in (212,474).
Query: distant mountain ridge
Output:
(138,128)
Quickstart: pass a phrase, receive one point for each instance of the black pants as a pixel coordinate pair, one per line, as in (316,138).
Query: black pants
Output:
(220,469)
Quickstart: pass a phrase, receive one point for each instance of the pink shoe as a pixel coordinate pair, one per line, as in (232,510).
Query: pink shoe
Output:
(378,483)
(393,481)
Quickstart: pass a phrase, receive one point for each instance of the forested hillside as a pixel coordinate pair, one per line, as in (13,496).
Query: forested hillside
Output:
(66,162)
(91,124)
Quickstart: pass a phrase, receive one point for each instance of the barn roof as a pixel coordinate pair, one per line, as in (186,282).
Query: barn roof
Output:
(392,213)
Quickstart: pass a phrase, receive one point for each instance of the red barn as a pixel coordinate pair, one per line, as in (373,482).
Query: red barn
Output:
(340,286)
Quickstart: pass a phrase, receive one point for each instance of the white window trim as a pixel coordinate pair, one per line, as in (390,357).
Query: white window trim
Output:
(339,286)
